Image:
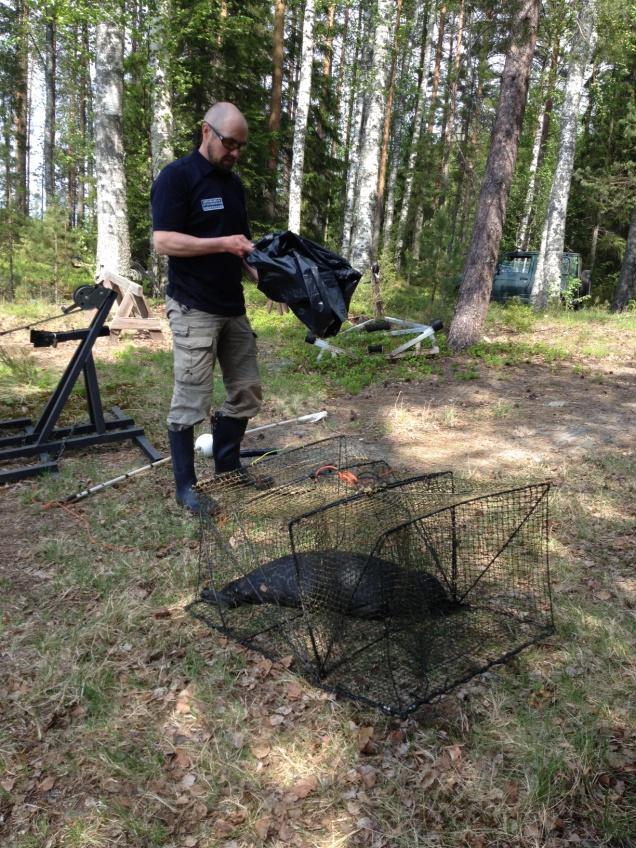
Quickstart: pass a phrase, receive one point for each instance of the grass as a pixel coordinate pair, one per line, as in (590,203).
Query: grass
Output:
(126,722)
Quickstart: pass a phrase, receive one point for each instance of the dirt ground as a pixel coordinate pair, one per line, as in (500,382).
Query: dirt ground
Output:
(80,765)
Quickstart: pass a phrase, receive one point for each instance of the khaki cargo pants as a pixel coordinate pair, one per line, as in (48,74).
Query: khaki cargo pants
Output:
(198,340)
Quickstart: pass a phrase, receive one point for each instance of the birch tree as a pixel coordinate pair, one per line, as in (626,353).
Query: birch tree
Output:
(418,120)
(113,238)
(474,293)
(538,146)
(547,280)
(300,119)
(278,46)
(161,149)
(50,64)
(362,238)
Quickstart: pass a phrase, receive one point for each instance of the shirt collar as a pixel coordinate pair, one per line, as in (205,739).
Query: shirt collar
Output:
(206,168)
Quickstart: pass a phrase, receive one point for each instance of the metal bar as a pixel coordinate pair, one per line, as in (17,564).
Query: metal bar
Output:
(62,432)
(15,423)
(51,413)
(93,400)
(72,441)
(14,474)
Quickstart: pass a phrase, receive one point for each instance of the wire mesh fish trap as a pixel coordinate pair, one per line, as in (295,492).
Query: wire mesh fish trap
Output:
(387,591)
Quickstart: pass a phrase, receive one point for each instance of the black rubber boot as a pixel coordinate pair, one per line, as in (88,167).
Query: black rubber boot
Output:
(227,434)
(182,453)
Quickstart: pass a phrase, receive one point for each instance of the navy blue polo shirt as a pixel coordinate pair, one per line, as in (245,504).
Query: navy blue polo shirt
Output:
(192,196)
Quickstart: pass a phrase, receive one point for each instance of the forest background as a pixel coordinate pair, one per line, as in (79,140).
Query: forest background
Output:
(370,129)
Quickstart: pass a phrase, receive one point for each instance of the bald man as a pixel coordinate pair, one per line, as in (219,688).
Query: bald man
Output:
(200,222)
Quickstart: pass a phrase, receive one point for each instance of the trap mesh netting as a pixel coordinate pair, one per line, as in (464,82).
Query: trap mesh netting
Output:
(388,590)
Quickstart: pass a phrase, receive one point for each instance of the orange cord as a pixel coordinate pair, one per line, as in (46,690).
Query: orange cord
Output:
(346,476)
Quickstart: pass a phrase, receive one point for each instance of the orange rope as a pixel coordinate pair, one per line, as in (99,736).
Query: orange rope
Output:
(347,477)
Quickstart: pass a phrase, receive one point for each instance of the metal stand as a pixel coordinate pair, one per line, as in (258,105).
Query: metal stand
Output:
(418,331)
(46,441)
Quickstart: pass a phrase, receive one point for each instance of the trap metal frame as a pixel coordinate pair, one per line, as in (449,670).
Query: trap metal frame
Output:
(389,591)
(419,332)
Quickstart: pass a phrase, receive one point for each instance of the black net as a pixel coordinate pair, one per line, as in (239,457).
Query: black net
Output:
(388,591)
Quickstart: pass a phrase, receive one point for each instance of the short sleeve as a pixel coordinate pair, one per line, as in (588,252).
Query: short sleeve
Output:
(169,198)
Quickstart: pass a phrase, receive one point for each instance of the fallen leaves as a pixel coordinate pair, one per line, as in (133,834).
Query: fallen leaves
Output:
(301,789)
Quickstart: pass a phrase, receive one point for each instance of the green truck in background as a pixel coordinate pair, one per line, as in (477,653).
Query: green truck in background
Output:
(515,272)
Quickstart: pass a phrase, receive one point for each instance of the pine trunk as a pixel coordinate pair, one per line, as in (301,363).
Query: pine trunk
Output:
(300,120)
(626,288)
(472,304)
(547,279)
(113,239)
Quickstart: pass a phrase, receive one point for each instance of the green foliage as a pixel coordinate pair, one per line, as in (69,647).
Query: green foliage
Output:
(44,257)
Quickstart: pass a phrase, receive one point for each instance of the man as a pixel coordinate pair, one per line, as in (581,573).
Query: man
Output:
(200,223)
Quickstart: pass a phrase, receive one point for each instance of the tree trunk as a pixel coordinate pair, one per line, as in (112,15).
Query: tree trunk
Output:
(278,51)
(538,148)
(547,279)
(49,115)
(450,113)
(21,98)
(361,244)
(161,149)
(353,134)
(386,137)
(300,120)
(327,61)
(83,95)
(427,47)
(474,293)
(626,288)
(113,239)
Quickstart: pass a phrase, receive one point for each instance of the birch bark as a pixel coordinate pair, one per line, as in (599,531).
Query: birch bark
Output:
(420,113)
(361,243)
(49,110)
(547,279)
(161,149)
(113,239)
(300,120)
(538,145)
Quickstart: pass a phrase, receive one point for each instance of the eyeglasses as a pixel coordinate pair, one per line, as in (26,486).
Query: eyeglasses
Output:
(230,144)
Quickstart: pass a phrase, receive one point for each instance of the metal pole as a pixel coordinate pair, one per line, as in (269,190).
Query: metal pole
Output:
(79,496)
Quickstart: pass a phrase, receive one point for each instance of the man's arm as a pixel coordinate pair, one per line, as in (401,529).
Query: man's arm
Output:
(170,243)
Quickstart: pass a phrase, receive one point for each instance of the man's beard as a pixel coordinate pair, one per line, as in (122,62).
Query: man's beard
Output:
(225,163)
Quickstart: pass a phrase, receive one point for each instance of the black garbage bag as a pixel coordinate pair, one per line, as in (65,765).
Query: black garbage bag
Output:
(316,283)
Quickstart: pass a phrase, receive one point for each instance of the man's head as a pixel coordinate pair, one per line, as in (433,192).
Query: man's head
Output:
(224,135)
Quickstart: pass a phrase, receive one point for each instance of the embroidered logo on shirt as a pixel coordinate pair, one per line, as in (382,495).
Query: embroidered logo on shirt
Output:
(212,204)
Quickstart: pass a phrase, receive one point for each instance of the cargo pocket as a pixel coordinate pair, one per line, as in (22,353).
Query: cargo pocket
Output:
(194,357)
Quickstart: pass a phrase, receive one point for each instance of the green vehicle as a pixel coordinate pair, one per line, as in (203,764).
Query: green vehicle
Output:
(515,272)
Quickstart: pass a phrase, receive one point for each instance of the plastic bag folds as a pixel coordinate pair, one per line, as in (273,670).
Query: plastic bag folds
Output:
(315,283)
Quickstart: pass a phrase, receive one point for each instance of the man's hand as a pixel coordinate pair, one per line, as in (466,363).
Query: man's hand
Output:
(238,245)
